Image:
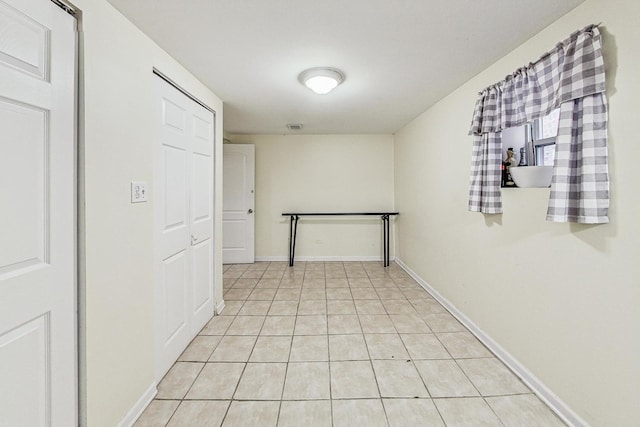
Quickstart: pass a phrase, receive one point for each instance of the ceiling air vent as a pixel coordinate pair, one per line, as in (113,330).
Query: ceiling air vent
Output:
(294,126)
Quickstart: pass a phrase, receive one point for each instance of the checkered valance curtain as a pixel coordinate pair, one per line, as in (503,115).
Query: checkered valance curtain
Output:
(570,76)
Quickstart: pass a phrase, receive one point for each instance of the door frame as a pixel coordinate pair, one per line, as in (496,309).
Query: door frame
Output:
(159,371)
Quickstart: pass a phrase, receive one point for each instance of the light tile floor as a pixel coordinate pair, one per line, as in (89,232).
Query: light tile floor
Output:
(337,344)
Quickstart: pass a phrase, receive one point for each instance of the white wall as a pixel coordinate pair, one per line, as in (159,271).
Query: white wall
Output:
(116,147)
(310,173)
(563,299)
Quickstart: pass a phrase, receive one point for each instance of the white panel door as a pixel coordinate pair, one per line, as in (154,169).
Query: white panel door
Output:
(184,222)
(38,380)
(238,223)
(201,216)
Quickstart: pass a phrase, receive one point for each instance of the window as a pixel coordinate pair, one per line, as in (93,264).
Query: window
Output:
(543,133)
(545,154)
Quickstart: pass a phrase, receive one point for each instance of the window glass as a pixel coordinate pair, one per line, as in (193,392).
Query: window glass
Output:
(545,154)
(549,124)
(543,138)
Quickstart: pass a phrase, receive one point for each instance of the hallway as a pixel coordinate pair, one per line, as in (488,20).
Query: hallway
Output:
(337,344)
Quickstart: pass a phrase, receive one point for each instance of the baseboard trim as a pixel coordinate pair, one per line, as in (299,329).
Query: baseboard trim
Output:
(321,258)
(542,391)
(220,307)
(137,409)
(271,258)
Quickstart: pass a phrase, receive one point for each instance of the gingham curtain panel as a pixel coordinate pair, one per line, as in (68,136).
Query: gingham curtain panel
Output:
(570,76)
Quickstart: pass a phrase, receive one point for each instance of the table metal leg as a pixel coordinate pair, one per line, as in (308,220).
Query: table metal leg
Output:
(290,238)
(386,240)
(293,231)
(385,243)
(386,224)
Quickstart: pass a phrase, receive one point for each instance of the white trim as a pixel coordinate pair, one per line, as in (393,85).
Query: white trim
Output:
(220,307)
(322,258)
(137,409)
(542,391)
(271,258)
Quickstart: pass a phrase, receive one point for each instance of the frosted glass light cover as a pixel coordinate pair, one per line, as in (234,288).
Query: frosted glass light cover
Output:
(321,80)
(321,84)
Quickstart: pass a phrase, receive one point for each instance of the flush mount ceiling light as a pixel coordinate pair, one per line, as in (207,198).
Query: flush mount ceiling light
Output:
(321,80)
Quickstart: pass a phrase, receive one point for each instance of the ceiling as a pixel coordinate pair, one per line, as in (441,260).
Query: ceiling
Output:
(399,56)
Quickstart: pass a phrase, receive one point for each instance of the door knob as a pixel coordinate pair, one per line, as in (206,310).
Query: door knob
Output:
(250,211)
(194,239)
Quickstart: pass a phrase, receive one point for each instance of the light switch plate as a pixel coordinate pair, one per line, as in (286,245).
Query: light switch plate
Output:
(138,191)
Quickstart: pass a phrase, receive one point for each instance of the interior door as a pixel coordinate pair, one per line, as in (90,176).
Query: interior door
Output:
(201,216)
(184,222)
(38,380)
(238,219)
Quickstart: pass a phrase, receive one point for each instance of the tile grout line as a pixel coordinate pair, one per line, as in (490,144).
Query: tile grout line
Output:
(413,361)
(329,354)
(375,375)
(376,291)
(235,389)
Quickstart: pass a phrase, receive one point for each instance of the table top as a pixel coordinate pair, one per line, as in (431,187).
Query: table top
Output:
(337,213)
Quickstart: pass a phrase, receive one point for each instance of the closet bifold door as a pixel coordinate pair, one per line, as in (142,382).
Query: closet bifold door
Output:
(38,219)
(183,226)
